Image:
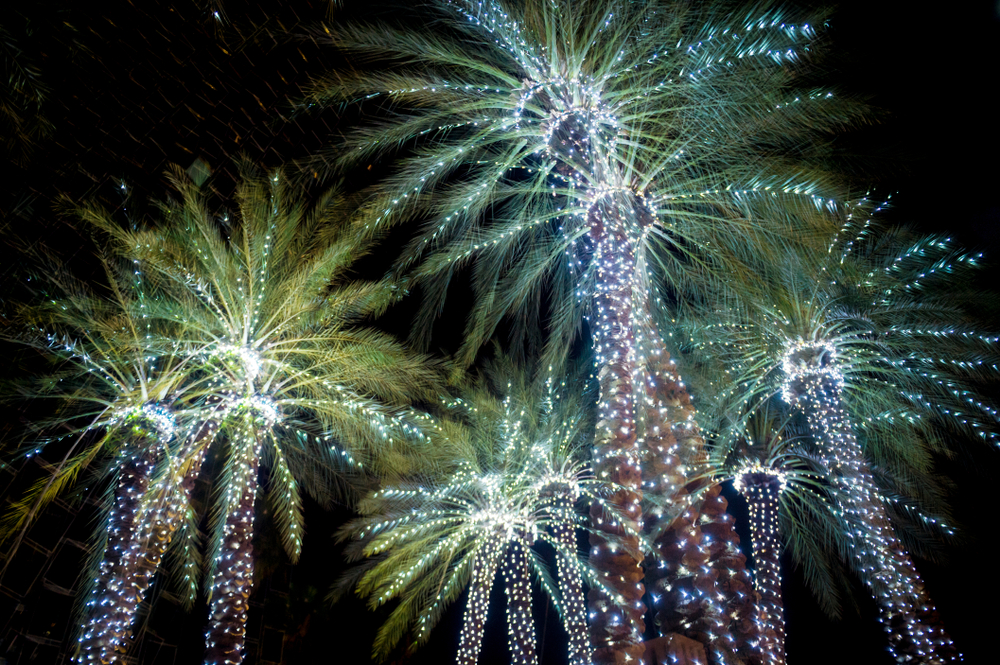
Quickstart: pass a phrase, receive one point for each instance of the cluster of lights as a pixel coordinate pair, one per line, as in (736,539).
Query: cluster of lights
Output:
(570,577)
(233,564)
(246,384)
(887,362)
(616,620)
(262,408)
(248,358)
(146,514)
(106,631)
(807,358)
(697,572)
(574,121)
(150,419)
(585,136)
(746,473)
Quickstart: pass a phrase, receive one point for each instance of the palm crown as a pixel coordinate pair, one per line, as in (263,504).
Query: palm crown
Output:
(842,335)
(538,127)
(569,151)
(514,473)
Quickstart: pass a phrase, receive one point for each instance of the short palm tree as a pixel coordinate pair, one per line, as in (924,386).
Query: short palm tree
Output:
(119,418)
(260,301)
(516,481)
(856,338)
(560,149)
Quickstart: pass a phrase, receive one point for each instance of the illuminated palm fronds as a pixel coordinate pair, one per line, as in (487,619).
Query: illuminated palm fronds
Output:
(848,335)
(530,122)
(117,417)
(262,317)
(788,500)
(516,474)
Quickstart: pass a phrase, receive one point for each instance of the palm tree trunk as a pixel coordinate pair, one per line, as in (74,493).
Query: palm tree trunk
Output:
(484,568)
(570,582)
(233,581)
(170,498)
(739,599)
(520,623)
(106,629)
(915,632)
(617,624)
(156,516)
(762,492)
(697,575)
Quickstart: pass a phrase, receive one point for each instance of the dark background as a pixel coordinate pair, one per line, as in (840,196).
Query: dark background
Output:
(130,87)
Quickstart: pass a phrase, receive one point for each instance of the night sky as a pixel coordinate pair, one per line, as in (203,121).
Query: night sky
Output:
(130,87)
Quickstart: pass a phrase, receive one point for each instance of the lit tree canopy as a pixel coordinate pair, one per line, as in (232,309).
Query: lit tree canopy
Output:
(513,474)
(530,125)
(264,320)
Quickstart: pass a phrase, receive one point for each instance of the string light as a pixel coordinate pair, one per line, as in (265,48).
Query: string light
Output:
(566,132)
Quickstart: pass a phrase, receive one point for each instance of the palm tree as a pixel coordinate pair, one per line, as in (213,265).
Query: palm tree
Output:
(560,148)
(516,482)
(857,338)
(118,417)
(264,309)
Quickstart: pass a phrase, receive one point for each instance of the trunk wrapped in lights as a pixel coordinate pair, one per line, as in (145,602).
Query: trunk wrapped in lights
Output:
(814,383)
(484,567)
(762,491)
(171,497)
(110,608)
(233,580)
(738,597)
(697,575)
(617,624)
(520,624)
(156,514)
(570,578)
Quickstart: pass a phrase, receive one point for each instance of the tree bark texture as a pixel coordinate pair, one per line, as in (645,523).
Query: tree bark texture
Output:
(520,623)
(161,512)
(762,492)
(915,631)
(570,581)
(697,573)
(106,631)
(617,624)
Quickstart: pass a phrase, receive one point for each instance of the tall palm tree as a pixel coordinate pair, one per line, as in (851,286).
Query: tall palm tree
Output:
(516,482)
(788,490)
(858,338)
(559,148)
(263,306)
